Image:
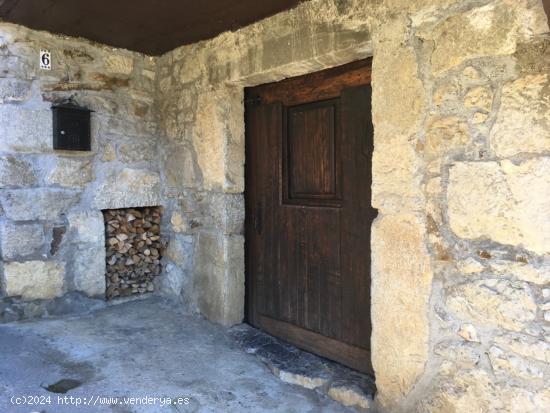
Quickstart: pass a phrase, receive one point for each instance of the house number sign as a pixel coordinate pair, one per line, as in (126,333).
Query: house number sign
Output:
(45,59)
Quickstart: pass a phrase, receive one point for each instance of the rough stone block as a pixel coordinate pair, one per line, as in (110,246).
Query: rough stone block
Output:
(71,172)
(177,283)
(524,345)
(350,395)
(180,250)
(219,277)
(479,97)
(399,102)
(396,176)
(101,104)
(503,201)
(16,172)
(470,266)
(179,222)
(128,188)
(210,140)
(524,117)
(508,304)
(490,30)
(234,152)
(109,153)
(34,279)
(400,291)
(180,166)
(479,117)
(220,212)
(522,271)
(14,90)
(89,227)
(210,276)
(37,203)
(127,126)
(466,353)
(21,240)
(234,283)
(88,267)
(444,134)
(138,150)
(399,96)
(25,130)
(507,364)
(446,93)
(118,64)
(475,390)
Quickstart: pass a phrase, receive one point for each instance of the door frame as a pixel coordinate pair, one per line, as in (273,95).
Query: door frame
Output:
(402,265)
(356,73)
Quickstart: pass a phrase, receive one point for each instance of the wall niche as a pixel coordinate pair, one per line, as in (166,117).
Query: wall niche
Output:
(134,250)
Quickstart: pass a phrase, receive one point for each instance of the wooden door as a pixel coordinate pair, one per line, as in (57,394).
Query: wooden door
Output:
(309,143)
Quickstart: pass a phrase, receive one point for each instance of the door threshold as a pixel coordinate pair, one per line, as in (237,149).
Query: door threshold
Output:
(292,365)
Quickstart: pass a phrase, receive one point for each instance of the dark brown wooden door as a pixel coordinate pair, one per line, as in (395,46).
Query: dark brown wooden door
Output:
(309,144)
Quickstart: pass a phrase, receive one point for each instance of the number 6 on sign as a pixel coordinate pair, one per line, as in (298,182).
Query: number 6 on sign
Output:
(45,59)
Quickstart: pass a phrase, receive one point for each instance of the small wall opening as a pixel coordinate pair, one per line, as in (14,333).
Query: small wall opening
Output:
(134,249)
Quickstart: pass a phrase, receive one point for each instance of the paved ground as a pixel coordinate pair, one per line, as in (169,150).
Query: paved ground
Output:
(140,349)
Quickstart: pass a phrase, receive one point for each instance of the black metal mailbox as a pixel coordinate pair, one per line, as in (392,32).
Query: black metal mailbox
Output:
(71,127)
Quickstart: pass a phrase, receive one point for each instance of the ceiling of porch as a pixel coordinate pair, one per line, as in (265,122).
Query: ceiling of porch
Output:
(148,26)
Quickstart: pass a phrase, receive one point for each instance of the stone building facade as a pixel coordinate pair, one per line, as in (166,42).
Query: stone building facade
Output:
(461,245)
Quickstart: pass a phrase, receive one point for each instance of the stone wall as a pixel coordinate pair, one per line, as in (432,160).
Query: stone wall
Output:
(460,248)
(461,251)
(201,118)
(51,226)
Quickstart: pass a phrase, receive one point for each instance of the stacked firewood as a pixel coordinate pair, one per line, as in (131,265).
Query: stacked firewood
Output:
(134,250)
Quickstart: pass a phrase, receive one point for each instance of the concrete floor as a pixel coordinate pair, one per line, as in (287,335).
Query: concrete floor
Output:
(138,349)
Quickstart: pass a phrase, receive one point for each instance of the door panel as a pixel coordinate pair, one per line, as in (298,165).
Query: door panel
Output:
(308,179)
(312,164)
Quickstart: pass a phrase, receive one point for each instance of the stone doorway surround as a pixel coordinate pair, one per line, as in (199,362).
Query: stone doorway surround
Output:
(455,84)
(201,89)
(427,131)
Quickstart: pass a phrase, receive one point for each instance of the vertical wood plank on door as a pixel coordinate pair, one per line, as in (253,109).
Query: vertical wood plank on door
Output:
(357,214)
(264,132)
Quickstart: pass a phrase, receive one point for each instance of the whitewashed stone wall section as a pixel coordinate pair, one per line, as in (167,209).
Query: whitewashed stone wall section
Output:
(52,239)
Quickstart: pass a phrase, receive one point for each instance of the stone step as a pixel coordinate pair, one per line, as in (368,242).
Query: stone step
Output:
(295,366)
